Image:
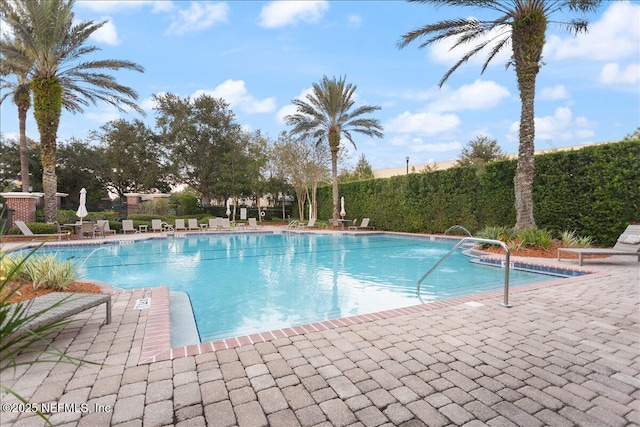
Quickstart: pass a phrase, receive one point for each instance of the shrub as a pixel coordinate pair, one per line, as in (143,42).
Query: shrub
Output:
(48,272)
(502,233)
(535,237)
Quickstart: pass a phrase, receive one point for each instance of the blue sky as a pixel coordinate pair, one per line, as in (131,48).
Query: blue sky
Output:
(258,56)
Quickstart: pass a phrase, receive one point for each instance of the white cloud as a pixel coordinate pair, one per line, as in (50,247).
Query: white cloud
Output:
(198,16)
(615,36)
(354,21)
(235,93)
(422,123)
(436,147)
(107,6)
(559,127)
(612,74)
(554,93)
(107,33)
(282,13)
(480,95)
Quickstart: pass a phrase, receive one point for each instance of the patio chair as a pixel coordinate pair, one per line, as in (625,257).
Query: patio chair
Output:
(628,244)
(213,223)
(127,226)
(253,223)
(54,307)
(193,224)
(364,225)
(88,230)
(102,228)
(224,224)
(27,232)
(179,225)
(310,224)
(156,226)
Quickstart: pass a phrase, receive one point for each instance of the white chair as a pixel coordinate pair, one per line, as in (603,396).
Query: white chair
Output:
(179,225)
(127,226)
(156,225)
(253,223)
(102,227)
(193,224)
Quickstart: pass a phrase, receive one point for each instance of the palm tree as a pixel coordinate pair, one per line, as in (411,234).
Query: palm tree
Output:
(327,114)
(523,24)
(51,54)
(21,91)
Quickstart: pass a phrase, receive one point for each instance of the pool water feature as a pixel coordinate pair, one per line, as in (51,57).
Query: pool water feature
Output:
(242,283)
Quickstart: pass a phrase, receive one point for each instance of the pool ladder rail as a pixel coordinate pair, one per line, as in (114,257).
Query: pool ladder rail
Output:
(464,240)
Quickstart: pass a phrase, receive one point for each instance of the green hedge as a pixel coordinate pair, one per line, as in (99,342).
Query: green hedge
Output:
(594,190)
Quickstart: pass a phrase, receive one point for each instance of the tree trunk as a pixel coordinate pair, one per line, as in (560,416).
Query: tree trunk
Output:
(23,101)
(47,106)
(334,145)
(528,38)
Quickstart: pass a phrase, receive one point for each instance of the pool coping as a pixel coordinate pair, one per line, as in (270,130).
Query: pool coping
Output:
(156,344)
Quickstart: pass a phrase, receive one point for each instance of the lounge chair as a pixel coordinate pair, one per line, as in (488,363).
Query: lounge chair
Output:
(253,223)
(193,224)
(628,244)
(224,224)
(310,224)
(27,232)
(364,225)
(102,227)
(156,226)
(127,226)
(179,225)
(56,306)
(213,223)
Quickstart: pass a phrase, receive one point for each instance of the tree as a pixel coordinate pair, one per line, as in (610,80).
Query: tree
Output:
(327,114)
(21,91)
(78,166)
(204,142)
(479,151)
(523,24)
(362,171)
(129,158)
(50,49)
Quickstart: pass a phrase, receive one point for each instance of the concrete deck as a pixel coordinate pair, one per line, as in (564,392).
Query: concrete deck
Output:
(566,353)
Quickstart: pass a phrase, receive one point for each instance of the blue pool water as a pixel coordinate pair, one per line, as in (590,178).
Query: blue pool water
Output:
(243,283)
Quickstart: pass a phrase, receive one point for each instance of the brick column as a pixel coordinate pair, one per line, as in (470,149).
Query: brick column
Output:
(23,206)
(133,200)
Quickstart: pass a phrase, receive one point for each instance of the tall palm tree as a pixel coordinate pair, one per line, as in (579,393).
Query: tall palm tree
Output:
(523,24)
(21,91)
(327,114)
(52,51)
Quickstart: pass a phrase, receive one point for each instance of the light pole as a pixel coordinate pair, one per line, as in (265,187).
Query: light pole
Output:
(407,159)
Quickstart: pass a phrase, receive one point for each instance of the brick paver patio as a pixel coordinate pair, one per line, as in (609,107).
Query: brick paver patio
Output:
(566,354)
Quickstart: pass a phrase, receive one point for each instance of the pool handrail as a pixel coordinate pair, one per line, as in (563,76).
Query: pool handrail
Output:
(477,240)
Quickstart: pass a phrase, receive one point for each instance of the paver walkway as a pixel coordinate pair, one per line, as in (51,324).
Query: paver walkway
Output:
(563,355)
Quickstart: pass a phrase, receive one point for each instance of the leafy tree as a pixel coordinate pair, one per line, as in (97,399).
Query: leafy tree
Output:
(10,164)
(362,171)
(523,25)
(206,146)
(633,136)
(302,165)
(78,167)
(129,158)
(479,151)
(327,114)
(50,48)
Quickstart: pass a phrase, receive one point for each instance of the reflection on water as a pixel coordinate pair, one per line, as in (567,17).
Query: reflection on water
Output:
(248,282)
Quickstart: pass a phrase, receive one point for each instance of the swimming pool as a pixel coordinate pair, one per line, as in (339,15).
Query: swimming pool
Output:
(241,283)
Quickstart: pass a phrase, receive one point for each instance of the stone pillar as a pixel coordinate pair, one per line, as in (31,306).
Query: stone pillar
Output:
(23,206)
(133,201)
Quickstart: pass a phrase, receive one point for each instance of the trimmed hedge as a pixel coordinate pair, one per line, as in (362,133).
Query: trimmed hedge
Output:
(594,190)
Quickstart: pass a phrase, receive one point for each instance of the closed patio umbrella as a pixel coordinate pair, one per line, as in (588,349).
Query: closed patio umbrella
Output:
(82,209)
(342,211)
(228,210)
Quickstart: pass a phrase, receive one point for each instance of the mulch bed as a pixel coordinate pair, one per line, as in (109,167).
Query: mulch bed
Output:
(25,290)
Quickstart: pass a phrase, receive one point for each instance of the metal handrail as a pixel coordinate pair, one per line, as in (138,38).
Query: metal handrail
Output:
(479,240)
